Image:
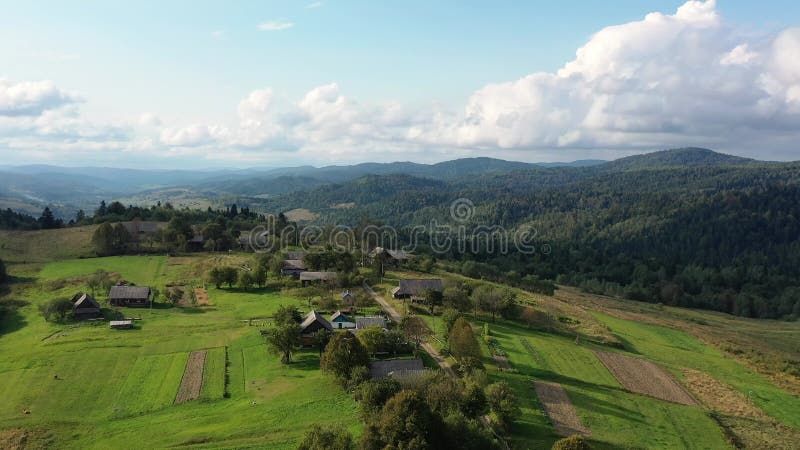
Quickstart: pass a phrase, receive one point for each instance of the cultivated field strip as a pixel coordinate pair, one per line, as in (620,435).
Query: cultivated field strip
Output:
(645,377)
(192,380)
(559,408)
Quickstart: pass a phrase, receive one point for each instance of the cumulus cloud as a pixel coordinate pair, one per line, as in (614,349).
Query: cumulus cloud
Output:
(676,79)
(192,135)
(31,98)
(314,5)
(275,25)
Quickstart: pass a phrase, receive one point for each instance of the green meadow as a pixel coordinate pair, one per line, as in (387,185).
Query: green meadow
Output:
(86,386)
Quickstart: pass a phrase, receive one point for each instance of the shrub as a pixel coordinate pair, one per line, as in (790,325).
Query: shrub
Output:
(574,442)
(56,310)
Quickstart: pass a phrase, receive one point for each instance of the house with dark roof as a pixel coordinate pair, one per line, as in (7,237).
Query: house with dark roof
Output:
(341,321)
(393,258)
(415,288)
(129,296)
(396,368)
(309,278)
(84,306)
(310,325)
(293,267)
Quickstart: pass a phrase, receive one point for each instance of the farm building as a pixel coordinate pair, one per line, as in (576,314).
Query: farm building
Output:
(393,258)
(415,288)
(84,306)
(371,321)
(120,324)
(293,267)
(310,325)
(309,278)
(138,228)
(129,296)
(396,368)
(340,320)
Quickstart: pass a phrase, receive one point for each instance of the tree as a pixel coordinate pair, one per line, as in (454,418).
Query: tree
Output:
(373,394)
(414,329)
(341,355)
(230,275)
(99,280)
(326,438)
(216,276)
(462,340)
(47,220)
(372,339)
(103,239)
(449,317)
(320,339)
(433,298)
(260,276)
(244,279)
(283,339)
(287,314)
(406,422)
(456,297)
(56,310)
(503,403)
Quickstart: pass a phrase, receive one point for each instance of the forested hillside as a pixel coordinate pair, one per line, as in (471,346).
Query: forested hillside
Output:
(686,227)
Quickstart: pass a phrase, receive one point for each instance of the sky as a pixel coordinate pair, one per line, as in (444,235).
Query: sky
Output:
(203,84)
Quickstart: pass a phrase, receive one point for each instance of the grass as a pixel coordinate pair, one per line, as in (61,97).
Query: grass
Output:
(214,375)
(92,387)
(615,417)
(45,245)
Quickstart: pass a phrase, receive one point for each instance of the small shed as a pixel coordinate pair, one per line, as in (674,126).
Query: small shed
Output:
(121,324)
(340,321)
(129,296)
(309,278)
(84,306)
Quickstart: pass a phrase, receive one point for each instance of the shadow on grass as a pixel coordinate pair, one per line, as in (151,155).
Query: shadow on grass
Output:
(10,319)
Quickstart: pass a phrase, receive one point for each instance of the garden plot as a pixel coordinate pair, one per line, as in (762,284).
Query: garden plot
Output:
(645,377)
(192,379)
(559,408)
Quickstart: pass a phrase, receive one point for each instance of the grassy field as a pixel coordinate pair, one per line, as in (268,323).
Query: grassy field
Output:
(45,245)
(86,386)
(618,418)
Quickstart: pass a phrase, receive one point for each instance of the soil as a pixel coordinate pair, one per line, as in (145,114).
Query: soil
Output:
(559,408)
(192,379)
(645,377)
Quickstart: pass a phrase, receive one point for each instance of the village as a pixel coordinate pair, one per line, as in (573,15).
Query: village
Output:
(320,347)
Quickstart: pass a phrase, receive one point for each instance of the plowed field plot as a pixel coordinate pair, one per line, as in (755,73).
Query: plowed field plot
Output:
(559,409)
(644,377)
(192,379)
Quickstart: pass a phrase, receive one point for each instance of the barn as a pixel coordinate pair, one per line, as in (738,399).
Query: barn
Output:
(136,296)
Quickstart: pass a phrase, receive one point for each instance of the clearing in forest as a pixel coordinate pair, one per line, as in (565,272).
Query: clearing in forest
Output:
(644,377)
(559,408)
(192,379)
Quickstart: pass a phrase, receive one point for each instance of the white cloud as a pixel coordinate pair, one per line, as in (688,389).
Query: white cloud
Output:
(218,35)
(314,5)
(275,25)
(31,98)
(667,80)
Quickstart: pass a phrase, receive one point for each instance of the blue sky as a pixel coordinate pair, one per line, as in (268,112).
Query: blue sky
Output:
(163,83)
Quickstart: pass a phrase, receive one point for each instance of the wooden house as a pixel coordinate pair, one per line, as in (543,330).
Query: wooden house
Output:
(293,267)
(396,368)
(415,288)
(310,325)
(136,296)
(394,258)
(341,321)
(84,306)
(371,321)
(309,278)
